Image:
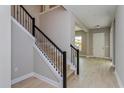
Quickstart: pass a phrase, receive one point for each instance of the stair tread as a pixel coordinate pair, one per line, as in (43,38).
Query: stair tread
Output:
(70,72)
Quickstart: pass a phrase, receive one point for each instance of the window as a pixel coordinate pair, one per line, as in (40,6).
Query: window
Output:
(78,40)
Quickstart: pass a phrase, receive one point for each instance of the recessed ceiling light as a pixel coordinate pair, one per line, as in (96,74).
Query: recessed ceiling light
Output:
(97,26)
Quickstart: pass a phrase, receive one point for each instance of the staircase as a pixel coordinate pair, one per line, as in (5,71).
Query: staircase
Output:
(56,56)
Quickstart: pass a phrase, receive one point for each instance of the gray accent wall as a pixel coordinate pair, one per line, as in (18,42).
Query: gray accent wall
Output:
(22,51)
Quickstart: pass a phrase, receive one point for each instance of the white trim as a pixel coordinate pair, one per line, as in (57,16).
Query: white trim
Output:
(48,63)
(38,76)
(43,78)
(119,80)
(48,10)
(29,34)
(22,78)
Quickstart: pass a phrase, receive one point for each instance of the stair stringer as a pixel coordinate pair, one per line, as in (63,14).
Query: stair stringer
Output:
(46,60)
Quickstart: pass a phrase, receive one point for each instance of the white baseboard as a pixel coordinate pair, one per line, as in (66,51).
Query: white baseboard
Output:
(118,79)
(40,77)
(22,78)
(43,78)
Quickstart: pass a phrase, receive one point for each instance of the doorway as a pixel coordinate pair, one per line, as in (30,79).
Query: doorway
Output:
(98,45)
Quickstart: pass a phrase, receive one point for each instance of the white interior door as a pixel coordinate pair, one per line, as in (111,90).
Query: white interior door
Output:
(98,45)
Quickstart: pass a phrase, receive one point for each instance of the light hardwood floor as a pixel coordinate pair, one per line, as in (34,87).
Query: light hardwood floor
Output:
(94,73)
(32,83)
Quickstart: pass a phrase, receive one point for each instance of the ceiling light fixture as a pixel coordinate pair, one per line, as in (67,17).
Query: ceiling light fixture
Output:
(97,26)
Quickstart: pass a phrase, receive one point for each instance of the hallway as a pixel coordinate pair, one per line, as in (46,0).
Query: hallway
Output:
(94,73)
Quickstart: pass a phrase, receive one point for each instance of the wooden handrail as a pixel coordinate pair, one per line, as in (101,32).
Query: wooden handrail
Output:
(73,47)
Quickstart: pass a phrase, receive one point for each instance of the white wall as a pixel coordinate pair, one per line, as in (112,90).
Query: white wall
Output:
(5,47)
(119,42)
(57,25)
(22,51)
(111,40)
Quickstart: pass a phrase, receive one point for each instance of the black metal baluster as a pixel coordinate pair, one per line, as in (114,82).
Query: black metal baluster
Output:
(42,42)
(23,18)
(28,25)
(59,62)
(48,48)
(17,14)
(20,14)
(61,65)
(54,56)
(14,10)
(71,54)
(45,44)
(25,21)
(56,60)
(52,53)
(74,57)
(31,26)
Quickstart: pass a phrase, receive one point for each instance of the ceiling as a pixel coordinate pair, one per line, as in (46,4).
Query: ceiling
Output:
(77,28)
(93,16)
